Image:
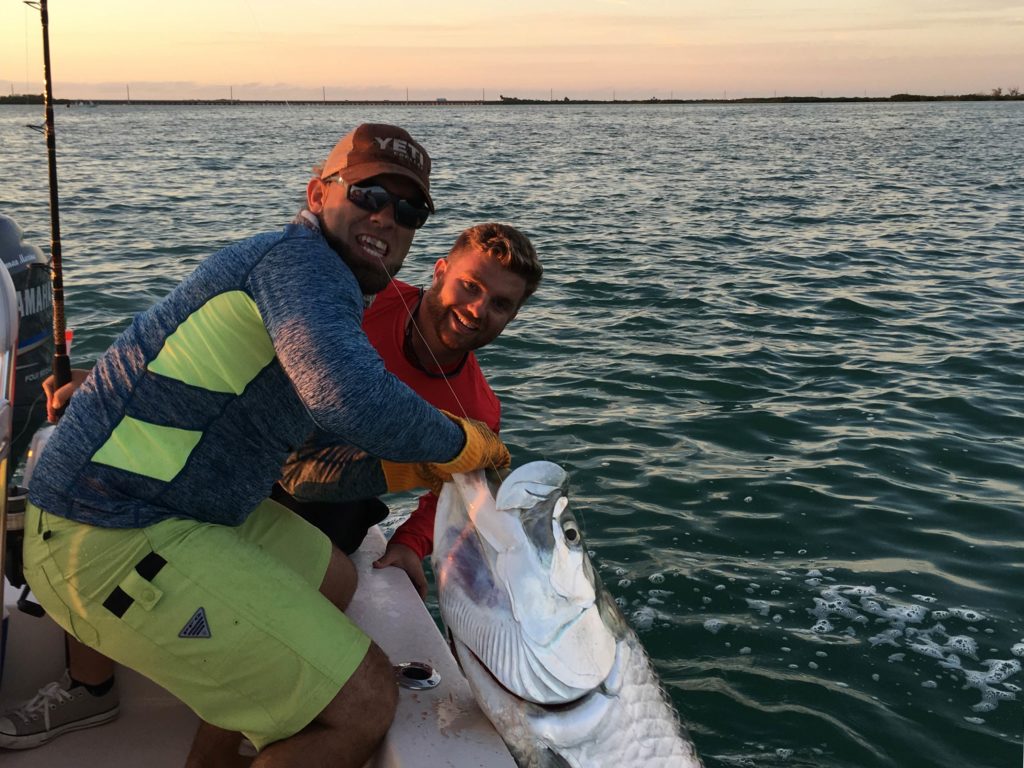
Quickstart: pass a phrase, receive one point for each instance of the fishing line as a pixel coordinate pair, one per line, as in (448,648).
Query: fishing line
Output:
(267,45)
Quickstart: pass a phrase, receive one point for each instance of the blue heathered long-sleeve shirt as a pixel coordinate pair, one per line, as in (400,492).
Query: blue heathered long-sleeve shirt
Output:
(194,408)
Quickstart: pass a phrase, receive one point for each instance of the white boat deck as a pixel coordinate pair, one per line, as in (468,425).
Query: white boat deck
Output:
(436,728)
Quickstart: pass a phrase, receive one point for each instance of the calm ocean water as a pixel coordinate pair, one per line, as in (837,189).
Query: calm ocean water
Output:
(779,348)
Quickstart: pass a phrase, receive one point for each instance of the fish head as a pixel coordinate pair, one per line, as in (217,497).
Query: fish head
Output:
(516,587)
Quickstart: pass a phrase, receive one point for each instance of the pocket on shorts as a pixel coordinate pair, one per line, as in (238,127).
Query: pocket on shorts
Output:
(194,644)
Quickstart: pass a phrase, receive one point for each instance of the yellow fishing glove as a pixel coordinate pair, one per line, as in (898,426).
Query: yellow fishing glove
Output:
(406,477)
(482,449)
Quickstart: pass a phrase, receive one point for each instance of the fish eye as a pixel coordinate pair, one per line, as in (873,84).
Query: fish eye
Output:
(571,532)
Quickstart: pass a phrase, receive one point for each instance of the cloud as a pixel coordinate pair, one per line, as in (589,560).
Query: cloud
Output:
(932,21)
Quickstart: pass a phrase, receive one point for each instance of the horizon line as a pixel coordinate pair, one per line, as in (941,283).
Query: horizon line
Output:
(994,95)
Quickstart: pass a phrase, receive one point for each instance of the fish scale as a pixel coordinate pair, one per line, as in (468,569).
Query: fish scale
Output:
(642,728)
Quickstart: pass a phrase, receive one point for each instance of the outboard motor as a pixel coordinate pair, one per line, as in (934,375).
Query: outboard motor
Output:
(26,354)
(30,273)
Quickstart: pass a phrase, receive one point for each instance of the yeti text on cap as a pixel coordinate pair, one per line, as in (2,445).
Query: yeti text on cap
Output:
(402,148)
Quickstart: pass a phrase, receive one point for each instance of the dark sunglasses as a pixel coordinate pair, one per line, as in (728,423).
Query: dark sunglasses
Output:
(373,197)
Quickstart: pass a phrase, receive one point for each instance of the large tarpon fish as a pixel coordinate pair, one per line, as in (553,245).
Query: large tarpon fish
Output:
(547,652)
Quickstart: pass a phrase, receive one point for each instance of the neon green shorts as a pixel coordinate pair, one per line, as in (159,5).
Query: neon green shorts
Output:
(229,620)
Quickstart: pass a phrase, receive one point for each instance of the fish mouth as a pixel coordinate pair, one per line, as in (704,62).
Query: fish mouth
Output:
(463,653)
(552,673)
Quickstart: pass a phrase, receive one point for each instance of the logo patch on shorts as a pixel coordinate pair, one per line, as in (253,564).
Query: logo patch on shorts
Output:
(197,626)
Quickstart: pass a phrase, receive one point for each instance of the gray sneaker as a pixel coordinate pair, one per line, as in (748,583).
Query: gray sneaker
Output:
(56,709)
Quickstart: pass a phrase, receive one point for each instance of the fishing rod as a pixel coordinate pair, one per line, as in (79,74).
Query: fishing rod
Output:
(61,361)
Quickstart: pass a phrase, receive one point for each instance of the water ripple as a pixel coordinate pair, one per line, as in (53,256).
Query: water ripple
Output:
(778,347)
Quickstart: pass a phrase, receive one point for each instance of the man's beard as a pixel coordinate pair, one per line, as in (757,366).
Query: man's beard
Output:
(372,278)
(438,315)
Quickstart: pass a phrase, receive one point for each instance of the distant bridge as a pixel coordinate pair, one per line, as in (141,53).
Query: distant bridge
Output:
(285,103)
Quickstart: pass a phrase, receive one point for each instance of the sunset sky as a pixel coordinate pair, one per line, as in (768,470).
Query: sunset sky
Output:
(626,49)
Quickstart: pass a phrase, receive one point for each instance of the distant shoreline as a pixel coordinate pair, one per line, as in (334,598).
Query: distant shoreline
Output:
(502,101)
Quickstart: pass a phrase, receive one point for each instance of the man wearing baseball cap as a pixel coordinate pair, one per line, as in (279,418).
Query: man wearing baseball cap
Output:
(375,166)
(149,536)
